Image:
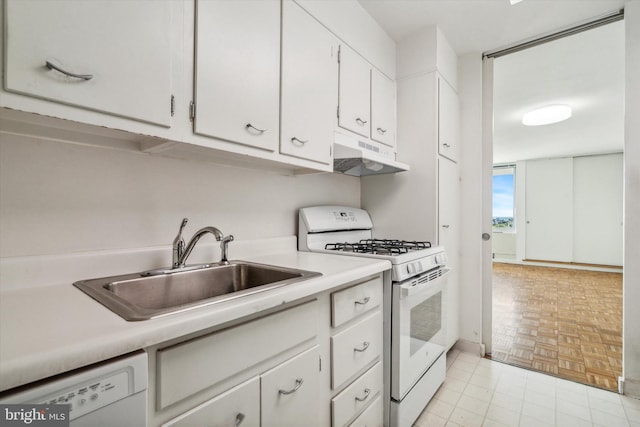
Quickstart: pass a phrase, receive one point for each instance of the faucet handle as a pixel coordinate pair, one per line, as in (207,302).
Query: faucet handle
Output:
(178,244)
(224,242)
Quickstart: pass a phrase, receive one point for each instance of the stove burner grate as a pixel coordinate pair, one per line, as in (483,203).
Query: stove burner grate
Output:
(379,246)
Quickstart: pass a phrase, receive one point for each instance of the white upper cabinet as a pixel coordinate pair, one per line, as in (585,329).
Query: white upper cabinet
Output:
(109,56)
(309,86)
(383,109)
(354,92)
(448,121)
(237,71)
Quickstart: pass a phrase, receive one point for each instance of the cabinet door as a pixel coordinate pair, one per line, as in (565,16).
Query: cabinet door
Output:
(448,236)
(448,121)
(290,391)
(309,85)
(111,56)
(383,109)
(239,406)
(354,92)
(238,71)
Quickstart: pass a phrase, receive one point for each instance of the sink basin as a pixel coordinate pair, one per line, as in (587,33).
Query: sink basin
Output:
(140,297)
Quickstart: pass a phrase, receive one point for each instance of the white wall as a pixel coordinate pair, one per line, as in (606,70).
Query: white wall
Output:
(58,198)
(631,281)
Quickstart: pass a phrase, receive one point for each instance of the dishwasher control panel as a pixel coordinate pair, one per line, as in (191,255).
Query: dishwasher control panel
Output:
(91,388)
(92,395)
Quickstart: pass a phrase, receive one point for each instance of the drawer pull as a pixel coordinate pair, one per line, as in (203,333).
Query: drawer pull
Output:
(50,66)
(381,131)
(360,122)
(363,301)
(444,144)
(239,419)
(367,391)
(299,141)
(365,345)
(299,382)
(249,126)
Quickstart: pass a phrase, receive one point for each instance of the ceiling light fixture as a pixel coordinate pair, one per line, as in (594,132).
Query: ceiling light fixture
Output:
(547,115)
(514,2)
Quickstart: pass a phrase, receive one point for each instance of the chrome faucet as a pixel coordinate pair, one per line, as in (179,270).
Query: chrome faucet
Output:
(181,253)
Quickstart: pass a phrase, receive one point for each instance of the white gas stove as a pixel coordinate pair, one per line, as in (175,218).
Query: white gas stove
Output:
(414,307)
(333,229)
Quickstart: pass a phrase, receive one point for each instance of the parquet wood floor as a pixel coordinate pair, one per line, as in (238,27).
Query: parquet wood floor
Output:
(567,323)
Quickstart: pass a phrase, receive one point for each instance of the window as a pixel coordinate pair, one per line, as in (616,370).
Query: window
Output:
(504,198)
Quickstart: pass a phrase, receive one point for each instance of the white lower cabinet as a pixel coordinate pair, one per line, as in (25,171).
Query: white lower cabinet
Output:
(356,354)
(289,392)
(239,406)
(316,364)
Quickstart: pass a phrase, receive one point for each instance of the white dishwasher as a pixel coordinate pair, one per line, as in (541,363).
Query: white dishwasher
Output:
(108,394)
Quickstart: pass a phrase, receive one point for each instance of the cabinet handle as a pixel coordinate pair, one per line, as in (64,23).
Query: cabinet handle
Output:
(249,126)
(239,419)
(365,345)
(299,382)
(298,140)
(444,144)
(367,391)
(381,131)
(50,66)
(363,301)
(360,121)
(445,226)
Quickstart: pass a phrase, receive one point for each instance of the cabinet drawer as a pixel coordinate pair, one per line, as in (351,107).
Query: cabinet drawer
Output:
(371,417)
(192,366)
(290,391)
(238,406)
(355,347)
(357,396)
(351,302)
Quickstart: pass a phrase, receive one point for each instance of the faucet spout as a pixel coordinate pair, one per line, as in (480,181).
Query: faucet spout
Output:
(198,234)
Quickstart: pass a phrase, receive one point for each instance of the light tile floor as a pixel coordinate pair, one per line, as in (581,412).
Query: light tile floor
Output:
(480,392)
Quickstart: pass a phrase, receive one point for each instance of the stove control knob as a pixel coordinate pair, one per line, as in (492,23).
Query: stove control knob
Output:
(411,269)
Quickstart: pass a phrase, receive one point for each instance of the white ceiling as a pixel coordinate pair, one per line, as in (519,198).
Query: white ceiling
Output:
(585,70)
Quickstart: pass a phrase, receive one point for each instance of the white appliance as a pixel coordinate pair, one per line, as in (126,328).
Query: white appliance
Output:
(414,303)
(113,393)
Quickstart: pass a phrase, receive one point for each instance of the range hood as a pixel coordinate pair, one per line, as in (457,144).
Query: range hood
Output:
(354,157)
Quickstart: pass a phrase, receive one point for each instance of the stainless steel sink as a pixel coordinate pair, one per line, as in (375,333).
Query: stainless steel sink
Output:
(140,297)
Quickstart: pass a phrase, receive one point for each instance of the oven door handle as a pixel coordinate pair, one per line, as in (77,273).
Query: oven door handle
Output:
(410,289)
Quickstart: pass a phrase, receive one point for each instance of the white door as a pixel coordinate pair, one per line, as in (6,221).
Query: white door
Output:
(239,406)
(448,236)
(237,80)
(597,208)
(549,210)
(383,109)
(355,92)
(100,56)
(309,86)
(448,121)
(289,392)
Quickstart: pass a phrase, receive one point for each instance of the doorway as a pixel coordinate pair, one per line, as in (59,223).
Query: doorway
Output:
(557,253)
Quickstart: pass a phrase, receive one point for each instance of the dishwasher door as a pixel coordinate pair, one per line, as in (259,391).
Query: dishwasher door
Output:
(111,393)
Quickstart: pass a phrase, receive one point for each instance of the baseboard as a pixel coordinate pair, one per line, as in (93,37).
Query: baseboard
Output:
(470,347)
(629,387)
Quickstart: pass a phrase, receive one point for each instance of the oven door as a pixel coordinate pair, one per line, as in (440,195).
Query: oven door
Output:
(418,335)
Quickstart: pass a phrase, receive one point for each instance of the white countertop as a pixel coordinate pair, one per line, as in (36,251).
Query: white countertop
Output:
(52,329)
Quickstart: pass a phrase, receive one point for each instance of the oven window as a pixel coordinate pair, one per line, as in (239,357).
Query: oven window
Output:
(426,321)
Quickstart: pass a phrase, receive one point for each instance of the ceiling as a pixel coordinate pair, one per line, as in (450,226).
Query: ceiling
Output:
(585,70)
